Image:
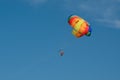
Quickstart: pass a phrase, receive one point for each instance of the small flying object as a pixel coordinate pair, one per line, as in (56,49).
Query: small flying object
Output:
(61,52)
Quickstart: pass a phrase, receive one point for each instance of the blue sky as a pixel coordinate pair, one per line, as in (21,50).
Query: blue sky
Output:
(33,31)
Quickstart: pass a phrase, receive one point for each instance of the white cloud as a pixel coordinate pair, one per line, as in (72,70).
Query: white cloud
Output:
(110,23)
(36,2)
(102,11)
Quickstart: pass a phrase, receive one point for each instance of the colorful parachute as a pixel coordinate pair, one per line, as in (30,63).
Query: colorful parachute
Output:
(80,26)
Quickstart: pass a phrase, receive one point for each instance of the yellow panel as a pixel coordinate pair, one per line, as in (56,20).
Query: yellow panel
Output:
(76,33)
(78,24)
